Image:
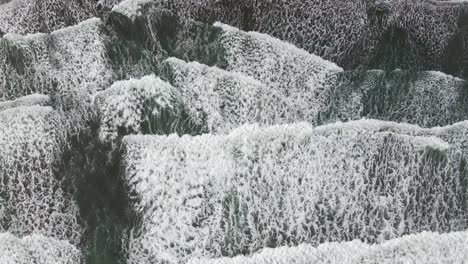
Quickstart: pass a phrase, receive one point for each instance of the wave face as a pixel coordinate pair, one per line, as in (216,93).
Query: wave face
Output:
(65,62)
(419,34)
(424,98)
(32,194)
(122,106)
(26,16)
(286,185)
(209,99)
(218,99)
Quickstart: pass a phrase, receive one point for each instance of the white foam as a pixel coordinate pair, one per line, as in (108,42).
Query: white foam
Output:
(36,249)
(216,195)
(130,8)
(71,60)
(419,248)
(29,100)
(225,99)
(32,16)
(33,201)
(121,106)
(302,80)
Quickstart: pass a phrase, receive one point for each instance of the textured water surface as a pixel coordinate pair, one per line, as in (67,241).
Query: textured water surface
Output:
(222,131)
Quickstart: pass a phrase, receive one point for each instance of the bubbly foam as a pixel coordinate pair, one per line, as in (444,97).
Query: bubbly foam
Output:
(211,196)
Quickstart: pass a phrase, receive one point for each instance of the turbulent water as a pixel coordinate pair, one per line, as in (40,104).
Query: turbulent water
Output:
(207,131)
(421,248)
(286,185)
